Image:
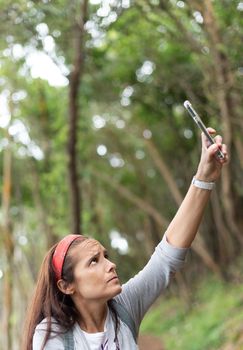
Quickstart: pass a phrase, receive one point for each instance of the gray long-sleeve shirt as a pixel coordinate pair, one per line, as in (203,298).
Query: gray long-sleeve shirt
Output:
(137,296)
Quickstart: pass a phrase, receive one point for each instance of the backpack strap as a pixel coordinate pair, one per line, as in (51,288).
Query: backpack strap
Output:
(125,317)
(68,340)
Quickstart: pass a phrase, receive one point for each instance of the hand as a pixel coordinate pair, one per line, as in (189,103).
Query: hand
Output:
(210,166)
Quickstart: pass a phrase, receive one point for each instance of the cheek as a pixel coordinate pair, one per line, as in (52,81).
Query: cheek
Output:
(89,284)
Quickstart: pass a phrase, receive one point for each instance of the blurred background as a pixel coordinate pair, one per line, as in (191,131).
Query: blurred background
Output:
(95,140)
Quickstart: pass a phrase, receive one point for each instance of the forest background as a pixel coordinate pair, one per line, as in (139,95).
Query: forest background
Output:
(95,139)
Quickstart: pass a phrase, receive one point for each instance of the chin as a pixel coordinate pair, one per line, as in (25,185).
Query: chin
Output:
(116,291)
(119,290)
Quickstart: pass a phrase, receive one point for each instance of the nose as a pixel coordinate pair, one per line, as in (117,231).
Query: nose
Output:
(111,266)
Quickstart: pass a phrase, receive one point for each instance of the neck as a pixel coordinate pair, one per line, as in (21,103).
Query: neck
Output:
(92,317)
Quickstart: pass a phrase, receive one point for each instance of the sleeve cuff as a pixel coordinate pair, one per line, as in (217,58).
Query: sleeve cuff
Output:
(171,251)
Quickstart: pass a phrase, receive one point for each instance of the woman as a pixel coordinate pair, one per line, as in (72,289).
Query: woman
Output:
(79,302)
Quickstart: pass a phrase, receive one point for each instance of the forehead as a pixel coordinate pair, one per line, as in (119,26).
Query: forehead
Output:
(87,248)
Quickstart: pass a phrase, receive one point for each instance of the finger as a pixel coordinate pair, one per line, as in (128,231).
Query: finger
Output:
(212,154)
(225,152)
(224,148)
(218,139)
(212,150)
(211,130)
(205,142)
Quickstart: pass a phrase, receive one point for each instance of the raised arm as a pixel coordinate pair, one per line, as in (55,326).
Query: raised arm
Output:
(183,228)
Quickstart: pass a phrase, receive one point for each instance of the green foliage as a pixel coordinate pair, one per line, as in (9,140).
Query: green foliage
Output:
(212,320)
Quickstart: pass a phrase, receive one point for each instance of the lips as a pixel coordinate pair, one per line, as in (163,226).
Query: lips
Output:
(113,278)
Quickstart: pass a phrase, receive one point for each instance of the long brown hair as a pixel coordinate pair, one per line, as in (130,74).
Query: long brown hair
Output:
(48,301)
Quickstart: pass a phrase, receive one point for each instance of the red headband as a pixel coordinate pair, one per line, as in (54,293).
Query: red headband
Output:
(60,254)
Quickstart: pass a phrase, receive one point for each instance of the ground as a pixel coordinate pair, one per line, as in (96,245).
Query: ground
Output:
(150,342)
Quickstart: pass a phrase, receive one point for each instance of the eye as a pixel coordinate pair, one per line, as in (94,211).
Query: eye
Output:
(106,256)
(93,261)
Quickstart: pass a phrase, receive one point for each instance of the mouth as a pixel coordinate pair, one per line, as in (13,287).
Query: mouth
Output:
(114,278)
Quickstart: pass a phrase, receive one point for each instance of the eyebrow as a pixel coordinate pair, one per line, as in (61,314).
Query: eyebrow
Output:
(96,255)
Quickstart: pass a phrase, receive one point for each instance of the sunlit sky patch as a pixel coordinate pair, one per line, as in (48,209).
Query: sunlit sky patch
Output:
(139,154)
(151,173)
(105,15)
(32,150)
(93,29)
(120,124)
(112,17)
(18,51)
(101,150)
(188,133)
(198,17)
(125,96)
(145,71)
(240,6)
(125,101)
(99,121)
(22,240)
(147,134)
(119,242)
(180,4)
(20,134)
(42,66)
(17,129)
(205,50)
(42,29)
(19,95)
(110,3)
(128,91)
(116,160)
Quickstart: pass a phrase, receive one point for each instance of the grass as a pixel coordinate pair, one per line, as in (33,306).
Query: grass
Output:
(213,319)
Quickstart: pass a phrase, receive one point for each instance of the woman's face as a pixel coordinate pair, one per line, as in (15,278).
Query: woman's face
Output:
(95,276)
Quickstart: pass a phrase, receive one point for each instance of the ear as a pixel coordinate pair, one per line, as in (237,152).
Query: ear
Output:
(65,287)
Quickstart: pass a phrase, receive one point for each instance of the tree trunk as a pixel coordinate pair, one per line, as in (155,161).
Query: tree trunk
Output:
(8,244)
(74,84)
(239,148)
(224,81)
(164,171)
(225,243)
(51,237)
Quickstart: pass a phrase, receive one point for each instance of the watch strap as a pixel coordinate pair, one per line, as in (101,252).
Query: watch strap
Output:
(203,184)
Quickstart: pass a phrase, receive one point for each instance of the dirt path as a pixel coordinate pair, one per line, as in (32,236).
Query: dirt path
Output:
(149,342)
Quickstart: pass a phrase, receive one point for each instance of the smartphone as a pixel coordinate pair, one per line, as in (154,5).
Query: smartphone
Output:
(198,121)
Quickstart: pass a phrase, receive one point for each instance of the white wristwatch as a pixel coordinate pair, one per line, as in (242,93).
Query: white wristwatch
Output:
(202,184)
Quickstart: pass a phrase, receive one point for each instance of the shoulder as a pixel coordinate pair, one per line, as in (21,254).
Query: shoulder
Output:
(44,325)
(55,340)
